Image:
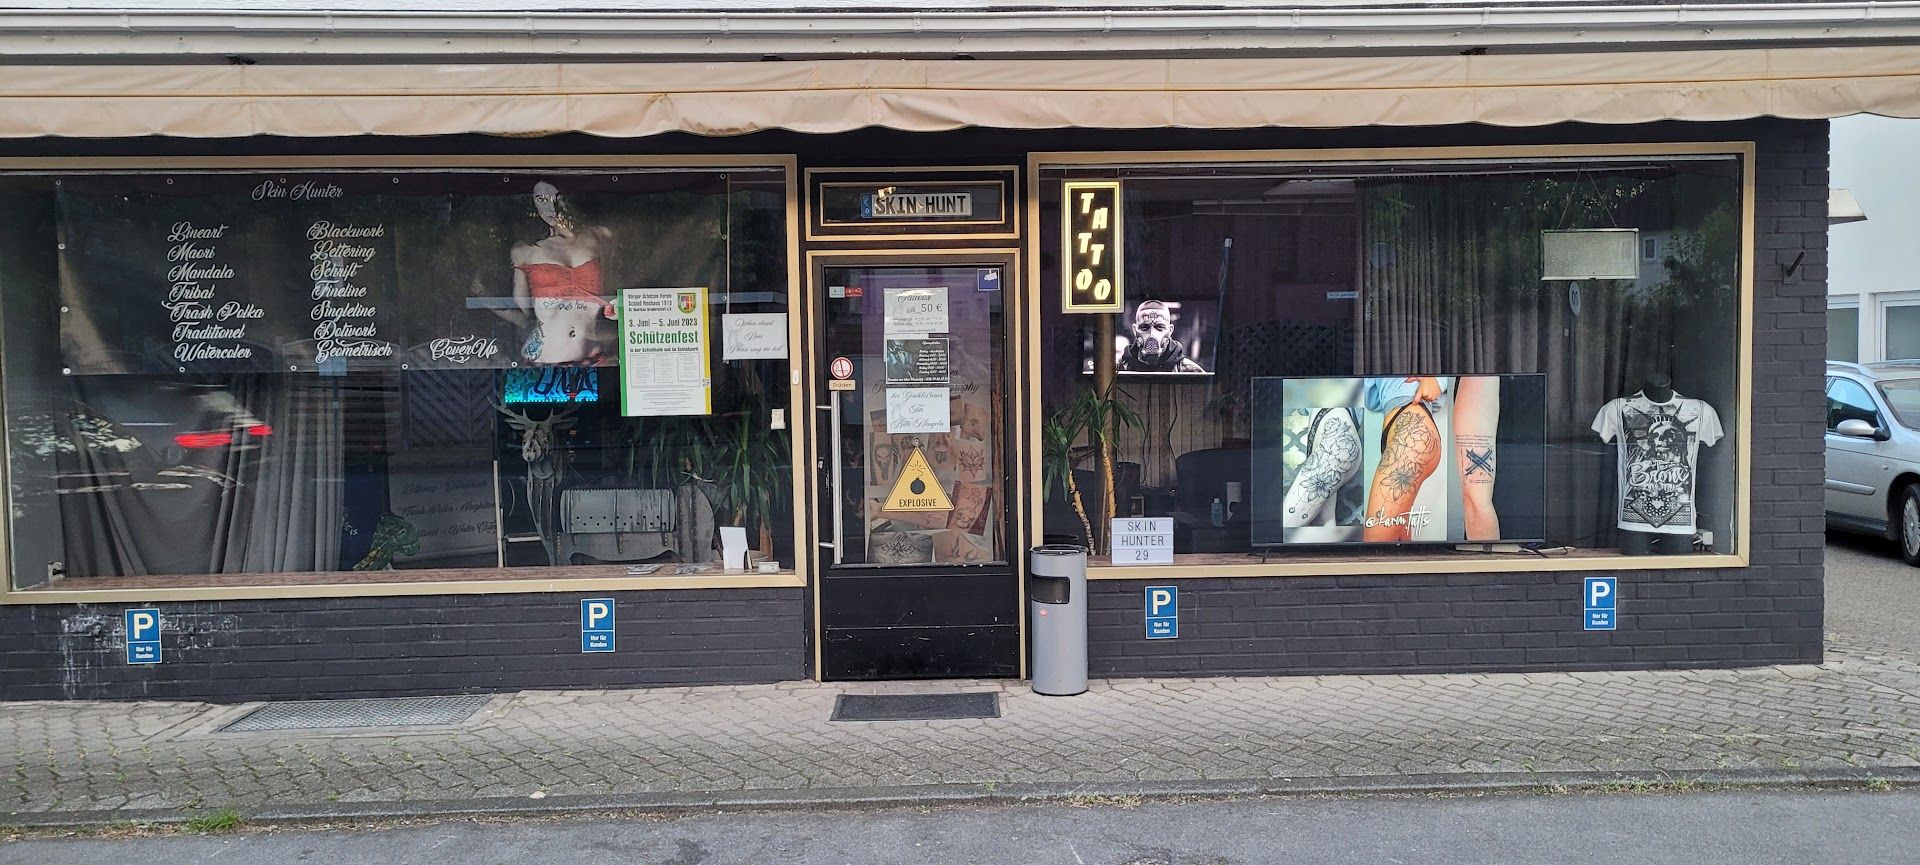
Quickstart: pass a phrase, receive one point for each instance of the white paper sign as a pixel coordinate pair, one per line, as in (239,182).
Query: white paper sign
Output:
(733,547)
(448,496)
(664,352)
(1593,253)
(1142,541)
(915,312)
(918,410)
(754,336)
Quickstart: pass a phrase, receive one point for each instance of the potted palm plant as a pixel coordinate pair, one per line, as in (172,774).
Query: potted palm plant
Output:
(1095,415)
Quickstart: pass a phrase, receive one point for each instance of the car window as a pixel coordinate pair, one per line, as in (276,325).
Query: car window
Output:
(1904,398)
(1848,400)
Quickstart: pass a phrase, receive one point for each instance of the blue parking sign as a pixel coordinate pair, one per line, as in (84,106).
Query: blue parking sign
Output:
(1163,612)
(143,636)
(1599,602)
(596,625)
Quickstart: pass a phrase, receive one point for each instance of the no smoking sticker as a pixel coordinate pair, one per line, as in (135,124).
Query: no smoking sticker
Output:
(841,370)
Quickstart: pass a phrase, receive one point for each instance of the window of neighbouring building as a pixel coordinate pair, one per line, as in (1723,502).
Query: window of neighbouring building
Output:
(318,376)
(1319,360)
(1902,335)
(1843,333)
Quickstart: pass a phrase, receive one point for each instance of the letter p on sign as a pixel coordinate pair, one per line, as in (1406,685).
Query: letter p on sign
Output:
(1600,593)
(141,625)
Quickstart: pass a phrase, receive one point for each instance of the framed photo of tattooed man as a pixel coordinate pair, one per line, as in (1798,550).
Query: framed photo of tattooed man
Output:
(1397,459)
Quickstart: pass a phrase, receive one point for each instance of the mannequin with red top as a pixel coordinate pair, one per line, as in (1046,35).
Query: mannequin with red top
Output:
(557,281)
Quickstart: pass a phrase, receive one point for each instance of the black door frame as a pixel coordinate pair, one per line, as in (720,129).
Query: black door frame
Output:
(1012,506)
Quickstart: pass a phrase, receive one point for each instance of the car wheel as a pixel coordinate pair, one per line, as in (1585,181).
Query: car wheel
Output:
(1908,520)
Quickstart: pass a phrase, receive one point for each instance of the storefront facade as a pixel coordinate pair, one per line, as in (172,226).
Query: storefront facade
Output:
(404,410)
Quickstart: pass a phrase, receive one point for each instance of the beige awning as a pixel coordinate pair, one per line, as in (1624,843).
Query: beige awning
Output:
(824,96)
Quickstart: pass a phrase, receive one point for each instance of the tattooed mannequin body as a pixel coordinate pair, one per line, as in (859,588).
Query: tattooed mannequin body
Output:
(1333,458)
(557,284)
(1409,453)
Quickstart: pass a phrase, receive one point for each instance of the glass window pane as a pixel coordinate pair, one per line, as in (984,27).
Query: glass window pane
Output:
(1843,334)
(921,437)
(1328,357)
(1903,397)
(1903,332)
(317,375)
(1847,400)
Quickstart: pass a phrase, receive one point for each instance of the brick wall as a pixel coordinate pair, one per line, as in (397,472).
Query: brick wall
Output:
(442,644)
(1767,613)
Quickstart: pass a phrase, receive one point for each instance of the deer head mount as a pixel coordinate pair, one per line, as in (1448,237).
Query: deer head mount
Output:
(536,436)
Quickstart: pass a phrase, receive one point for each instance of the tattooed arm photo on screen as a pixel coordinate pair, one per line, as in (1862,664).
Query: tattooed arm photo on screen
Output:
(1333,458)
(1476,423)
(1409,453)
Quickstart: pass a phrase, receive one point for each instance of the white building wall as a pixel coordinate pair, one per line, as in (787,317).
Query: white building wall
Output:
(1874,266)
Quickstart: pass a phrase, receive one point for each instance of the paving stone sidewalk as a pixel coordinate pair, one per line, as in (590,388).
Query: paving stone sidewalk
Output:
(1856,716)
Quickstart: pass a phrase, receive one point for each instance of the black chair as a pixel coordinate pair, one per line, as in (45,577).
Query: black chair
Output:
(1200,477)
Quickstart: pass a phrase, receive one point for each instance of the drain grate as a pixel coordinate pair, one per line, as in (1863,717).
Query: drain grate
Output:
(915,707)
(338,714)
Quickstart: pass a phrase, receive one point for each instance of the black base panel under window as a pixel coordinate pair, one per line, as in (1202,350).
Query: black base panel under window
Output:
(916,707)
(958,652)
(871,600)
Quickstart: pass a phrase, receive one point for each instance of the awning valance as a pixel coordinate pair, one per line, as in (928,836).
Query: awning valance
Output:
(825,96)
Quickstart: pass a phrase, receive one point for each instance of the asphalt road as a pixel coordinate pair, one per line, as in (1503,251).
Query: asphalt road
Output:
(1736,828)
(1872,596)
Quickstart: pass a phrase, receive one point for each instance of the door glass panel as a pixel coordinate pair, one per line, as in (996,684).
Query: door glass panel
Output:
(917,438)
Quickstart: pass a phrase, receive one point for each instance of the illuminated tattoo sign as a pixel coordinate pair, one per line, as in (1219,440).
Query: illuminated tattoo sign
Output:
(1090,256)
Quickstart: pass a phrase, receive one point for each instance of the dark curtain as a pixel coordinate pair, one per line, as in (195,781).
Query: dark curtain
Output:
(1451,285)
(138,499)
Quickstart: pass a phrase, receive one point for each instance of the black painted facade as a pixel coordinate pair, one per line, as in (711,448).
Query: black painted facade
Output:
(1769,612)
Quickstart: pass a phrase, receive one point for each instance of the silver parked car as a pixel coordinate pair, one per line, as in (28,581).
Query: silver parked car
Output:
(1873,451)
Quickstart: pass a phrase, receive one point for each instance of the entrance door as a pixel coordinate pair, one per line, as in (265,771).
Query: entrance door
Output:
(915,574)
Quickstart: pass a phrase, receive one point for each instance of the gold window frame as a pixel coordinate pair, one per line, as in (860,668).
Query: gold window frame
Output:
(1413,563)
(540,579)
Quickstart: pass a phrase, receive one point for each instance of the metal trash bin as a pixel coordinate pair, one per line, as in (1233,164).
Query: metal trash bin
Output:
(1057,611)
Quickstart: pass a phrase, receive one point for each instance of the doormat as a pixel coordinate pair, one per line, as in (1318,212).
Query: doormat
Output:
(355,714)
(916,707)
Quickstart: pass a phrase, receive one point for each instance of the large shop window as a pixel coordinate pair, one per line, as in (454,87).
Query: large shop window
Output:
(297,377)
(1318,362)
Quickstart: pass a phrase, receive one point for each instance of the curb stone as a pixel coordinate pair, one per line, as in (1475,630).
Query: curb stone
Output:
(855,798)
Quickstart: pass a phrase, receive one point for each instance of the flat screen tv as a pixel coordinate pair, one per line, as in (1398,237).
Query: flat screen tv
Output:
(1399,459)
(1176,339)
